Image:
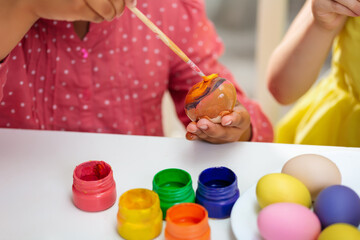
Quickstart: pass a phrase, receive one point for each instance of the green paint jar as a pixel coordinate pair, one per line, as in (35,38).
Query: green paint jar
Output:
(173,186)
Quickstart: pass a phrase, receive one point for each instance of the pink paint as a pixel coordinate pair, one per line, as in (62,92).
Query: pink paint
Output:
(93,186)
(195,68)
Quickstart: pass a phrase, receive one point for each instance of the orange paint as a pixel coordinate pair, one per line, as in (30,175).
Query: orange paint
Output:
(199,88)
(211,98)
(187,221)
(210,77)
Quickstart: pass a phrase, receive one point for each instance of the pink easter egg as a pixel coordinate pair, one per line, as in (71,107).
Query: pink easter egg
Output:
(284,221)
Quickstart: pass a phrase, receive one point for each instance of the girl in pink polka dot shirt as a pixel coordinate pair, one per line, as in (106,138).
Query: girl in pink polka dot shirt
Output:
(92,66)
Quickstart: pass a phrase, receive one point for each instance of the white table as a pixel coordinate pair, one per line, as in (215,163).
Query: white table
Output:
(37,167)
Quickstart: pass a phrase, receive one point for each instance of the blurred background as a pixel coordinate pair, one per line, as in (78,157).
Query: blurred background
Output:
(250,31)
(238,30)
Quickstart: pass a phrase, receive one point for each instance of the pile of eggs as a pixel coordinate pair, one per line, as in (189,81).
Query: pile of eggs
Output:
(306,201)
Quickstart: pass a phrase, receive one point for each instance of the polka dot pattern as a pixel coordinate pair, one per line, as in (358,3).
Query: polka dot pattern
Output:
(114,79)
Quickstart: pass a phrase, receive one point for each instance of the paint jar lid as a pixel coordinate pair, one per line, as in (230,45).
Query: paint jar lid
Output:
(173,186)
(139,215)
(187,221)
(217,191)
(93,187)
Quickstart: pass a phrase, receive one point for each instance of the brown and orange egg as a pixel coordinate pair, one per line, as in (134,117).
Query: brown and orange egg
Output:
(211,98)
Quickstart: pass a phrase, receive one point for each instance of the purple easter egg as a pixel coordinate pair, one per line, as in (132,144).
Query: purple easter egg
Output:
(338,204)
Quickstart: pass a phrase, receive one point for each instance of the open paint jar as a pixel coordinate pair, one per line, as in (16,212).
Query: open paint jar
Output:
(173,186)
(139,215)
(217,191)
(187,221)
(93,186)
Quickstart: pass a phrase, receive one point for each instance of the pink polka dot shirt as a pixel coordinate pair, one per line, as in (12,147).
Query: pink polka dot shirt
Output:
(113,80)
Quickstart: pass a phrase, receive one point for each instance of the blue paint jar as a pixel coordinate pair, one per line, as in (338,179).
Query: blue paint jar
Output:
(217,191)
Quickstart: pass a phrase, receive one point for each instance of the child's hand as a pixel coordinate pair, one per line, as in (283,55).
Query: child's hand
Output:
(73,10)
(332,14)
(233,127)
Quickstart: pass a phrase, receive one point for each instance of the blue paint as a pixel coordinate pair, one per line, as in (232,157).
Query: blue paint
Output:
(217,191)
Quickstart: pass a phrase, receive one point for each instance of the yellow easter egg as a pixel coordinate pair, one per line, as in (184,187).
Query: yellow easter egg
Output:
(340,231)
(280,187)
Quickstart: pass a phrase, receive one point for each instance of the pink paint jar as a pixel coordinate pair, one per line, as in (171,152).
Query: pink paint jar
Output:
(93,186)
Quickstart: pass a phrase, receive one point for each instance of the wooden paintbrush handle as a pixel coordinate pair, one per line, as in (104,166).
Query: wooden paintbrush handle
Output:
(162,35)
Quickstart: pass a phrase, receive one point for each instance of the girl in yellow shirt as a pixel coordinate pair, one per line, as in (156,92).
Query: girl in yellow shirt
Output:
(329,113)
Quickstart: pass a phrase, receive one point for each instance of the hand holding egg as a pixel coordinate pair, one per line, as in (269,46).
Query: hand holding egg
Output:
(233,127)
(217,116)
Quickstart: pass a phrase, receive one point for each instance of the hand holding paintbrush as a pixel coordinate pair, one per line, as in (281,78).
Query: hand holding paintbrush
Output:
(212,99)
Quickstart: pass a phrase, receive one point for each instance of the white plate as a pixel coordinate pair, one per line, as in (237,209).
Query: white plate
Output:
(244,213)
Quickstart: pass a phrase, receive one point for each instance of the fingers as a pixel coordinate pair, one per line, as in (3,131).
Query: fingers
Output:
(119,6)
(103,8)
(240,118)
(201,128)
(211,132)
(346,7)
(130,3)
(194,132)
(190,136)
(86,14)
(109,9)
(233,127)
(209,129)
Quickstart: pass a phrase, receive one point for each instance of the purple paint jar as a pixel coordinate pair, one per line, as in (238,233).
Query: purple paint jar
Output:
(217,191)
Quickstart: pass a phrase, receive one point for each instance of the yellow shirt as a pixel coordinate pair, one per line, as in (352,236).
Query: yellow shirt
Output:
(329,113)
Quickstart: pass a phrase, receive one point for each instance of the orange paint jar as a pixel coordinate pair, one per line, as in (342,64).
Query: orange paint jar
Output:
(187,221)
(93,186)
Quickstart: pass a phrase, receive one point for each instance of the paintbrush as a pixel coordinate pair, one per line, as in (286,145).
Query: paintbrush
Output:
(203,88)
(167,41)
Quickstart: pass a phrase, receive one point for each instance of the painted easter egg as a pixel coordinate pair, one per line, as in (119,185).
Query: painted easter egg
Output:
(280,187)
(285,221)
(211,98)
(338,204)
(340,231)
(315,171)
